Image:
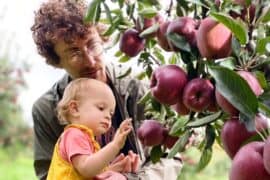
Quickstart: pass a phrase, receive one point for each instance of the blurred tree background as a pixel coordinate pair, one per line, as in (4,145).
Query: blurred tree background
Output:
(16,137)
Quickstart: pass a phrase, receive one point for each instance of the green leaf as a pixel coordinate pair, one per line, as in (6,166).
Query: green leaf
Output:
(198,2)
(205,120)
(108,12)
(149,30)
(179,41)
(124,59)
(261,78)
(264,108)
(155,154)
(205,159)
(159,55)
(180,144)
(235,89)
(210,136)
(261,45)
(147,12)
(146,97)
(237,27)
(229,62)
(93,12)
(178,125)
(126,73)
(265,15)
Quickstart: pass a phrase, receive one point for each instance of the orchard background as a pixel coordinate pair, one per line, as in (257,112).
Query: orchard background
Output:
(208,67)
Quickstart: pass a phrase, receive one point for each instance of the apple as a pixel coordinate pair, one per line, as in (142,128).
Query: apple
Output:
(180,108)
(131,43)
(198,94)
(234,133)
(151,133)
(253,83)
(225,105)
(183,26)
(148,22)
(167,83)
(169,140)
(213,39)
(248,163)
(162,36)
(266,155)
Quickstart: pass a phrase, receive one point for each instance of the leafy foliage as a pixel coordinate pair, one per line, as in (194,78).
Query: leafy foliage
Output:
(249,26)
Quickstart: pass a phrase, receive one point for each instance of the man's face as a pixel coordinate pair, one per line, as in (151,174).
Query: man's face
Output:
(83,58)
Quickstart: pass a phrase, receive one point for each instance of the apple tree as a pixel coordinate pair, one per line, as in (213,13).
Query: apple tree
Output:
(208,68)
(11,83)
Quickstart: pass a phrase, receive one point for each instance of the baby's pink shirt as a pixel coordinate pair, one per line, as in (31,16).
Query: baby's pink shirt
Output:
(76,142)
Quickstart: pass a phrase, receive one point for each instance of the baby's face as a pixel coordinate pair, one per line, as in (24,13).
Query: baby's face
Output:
(96,110)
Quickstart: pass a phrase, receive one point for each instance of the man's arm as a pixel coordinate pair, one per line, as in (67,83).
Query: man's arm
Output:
(45,136)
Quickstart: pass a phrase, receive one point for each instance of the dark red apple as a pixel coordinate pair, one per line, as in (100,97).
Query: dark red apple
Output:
(148,22)
(253,84)
(234,133)
(167,83)
(162,37)
(248,163)
(183,26)
(151,133)
(266,155)
(180,108)
(213,39)
(131,43)
(198,94)
(169,140)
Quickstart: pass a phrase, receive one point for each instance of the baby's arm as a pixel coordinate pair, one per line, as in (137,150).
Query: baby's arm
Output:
(91,165)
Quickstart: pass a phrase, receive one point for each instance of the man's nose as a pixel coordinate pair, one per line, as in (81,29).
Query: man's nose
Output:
(89,58)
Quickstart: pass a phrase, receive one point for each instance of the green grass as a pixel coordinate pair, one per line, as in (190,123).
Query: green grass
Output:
(217,169)
(16,163)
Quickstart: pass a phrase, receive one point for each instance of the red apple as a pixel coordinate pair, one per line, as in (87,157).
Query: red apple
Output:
(234,133)
(198,94)
(167,83)
(169,140)
(180,108)
(184,26)
(213,39)
(253,84)
(162,36)
(131,43)
(248,163)
(151,133)
(148,22)
(266,155)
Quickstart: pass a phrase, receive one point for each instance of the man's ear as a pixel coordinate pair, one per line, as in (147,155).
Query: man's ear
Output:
(73,108)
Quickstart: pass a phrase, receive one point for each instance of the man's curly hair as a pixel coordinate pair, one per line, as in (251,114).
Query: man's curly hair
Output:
(59,19)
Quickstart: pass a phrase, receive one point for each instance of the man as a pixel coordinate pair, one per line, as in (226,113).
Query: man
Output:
(66,42)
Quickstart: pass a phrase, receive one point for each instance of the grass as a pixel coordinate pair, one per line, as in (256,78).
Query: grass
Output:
(217,169)
(16,163)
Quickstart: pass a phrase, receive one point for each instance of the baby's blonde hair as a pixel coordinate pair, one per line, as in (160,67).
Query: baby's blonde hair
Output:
(76,90)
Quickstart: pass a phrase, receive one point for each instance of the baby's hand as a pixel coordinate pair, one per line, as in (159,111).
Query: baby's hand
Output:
(122,132)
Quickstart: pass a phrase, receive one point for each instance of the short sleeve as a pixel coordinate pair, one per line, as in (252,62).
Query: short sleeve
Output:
(74,142)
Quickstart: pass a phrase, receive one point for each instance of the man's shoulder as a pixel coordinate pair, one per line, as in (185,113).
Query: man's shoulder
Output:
(50,98)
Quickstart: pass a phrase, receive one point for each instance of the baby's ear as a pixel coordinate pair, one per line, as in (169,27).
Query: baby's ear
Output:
(73,108)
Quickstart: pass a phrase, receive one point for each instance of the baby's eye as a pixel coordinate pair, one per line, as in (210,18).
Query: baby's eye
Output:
(101,108)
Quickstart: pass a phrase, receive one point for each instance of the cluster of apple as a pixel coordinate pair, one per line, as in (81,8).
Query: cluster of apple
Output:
(153,133)
(170,85)
(212,39)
